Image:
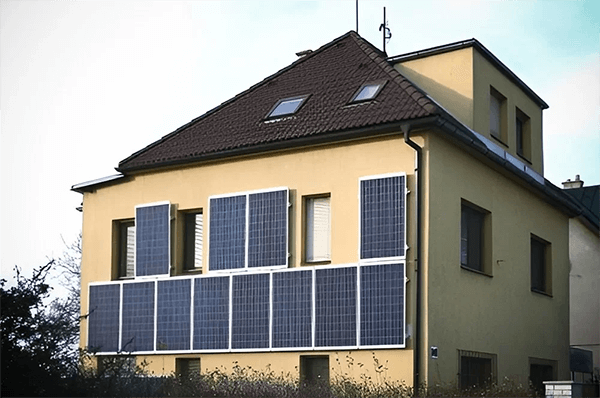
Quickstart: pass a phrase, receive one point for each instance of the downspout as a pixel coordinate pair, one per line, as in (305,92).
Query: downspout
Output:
(416,333)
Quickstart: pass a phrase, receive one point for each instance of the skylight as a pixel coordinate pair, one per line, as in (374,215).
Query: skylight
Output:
(287,106)
(367,92)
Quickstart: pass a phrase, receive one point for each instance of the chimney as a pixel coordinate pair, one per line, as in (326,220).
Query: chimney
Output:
(573,184)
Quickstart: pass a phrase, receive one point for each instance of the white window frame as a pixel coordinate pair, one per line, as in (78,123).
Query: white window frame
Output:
(311,232)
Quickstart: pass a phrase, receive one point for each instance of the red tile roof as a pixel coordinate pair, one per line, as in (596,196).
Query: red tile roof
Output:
(330,76)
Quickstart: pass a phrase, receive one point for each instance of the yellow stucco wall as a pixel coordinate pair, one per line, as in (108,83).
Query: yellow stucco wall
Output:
(499,314)
(325,169)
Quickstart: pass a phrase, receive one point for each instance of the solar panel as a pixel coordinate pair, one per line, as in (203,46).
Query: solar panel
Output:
(382,304)
(292,309)
(382,217)
(103,321)
(335,307)
(211,313)
(267,235)
(227,233)
(173,323)
(138,317)
(152,256)
(250,317)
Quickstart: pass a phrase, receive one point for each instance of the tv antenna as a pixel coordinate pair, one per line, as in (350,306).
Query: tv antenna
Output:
(387,33)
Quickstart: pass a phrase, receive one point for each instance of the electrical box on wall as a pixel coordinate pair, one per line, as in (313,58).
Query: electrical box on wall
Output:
(434,352)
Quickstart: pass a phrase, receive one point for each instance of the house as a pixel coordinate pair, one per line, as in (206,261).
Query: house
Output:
(584,281)
(349,211)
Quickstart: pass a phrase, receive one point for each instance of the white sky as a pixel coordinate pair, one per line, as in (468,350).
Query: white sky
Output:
(85,84)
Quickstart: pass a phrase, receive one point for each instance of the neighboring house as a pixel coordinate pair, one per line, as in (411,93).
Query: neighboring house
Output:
(350,208)
(584,255)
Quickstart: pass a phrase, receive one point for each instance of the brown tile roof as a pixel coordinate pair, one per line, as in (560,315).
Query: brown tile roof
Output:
(330,76)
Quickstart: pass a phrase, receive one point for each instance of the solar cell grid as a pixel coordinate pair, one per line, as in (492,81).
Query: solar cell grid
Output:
(227,233)
(267,244)
(250,317)
(138,317)
(292,309)
(382,304)
(152,240)
(103,334)
(382,217)
(335,307)
(211,313)
(173,325)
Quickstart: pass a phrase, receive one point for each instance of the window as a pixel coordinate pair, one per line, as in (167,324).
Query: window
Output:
(476,369)
(193,245)
(318,229)
(497,115)
(473,236)
(187,367)
(367,92)
(126,249)
(540,265)
(541,370)
(114,365)
(287,106)
(523,133)
(314,370)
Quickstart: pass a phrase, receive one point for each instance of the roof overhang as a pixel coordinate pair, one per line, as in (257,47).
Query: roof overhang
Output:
(92,185)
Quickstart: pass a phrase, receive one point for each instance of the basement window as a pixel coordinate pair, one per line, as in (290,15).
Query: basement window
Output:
(367,92)
(287,106)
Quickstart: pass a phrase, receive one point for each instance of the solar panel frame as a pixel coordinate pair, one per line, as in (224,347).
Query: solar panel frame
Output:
(251,314)
(228,232)
(397,253)
(103,312)
(152,251)
(343,317)
(387,315)
(142,324)
(173,314)
(203,323)
(268,229)
(285,306)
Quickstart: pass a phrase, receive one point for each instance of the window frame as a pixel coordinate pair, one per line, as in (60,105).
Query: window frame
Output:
(189,240)
(545,268)
(485,239)
(281,101)
(182,367)
(501,134)
(122,247)
(247,194)
(523,136)
(493,358)
(380,85)
(306,202)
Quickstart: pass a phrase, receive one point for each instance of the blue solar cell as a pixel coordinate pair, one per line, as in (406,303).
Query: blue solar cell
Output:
(267,234)
(138,317)
(382,304)
(227,233)
(103,321)
(152,240)
(382,217)
(173,322)
(335,307)
(292,309)
(211,313)
(250,317)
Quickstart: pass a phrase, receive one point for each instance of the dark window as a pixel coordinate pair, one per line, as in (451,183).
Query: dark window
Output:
(538,374)
(471,238)
(126,249)
(522,129)
(519,129)
(194,228)
(187,367)
(476,369)
(314,370)
(540,280)
(497,115)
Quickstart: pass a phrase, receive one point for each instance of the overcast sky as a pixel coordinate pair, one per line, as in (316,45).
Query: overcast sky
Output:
(85,84)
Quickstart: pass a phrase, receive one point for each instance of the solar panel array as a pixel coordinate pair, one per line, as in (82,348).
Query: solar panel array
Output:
(382,210)
(248,230)
(152,240)
(309,308)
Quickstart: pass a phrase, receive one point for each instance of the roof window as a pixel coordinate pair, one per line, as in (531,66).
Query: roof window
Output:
(287,106)
(367,92)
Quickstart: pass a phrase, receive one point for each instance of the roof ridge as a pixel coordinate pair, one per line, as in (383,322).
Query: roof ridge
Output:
(267,79)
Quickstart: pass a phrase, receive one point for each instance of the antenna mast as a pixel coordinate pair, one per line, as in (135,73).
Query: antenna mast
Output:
(357,16)
(387,34)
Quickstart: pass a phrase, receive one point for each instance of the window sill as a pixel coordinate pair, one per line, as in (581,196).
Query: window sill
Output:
(524,158)
(499,140)
(192,271)
(317,262)
(476,271)
(541,292)
(125,278)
